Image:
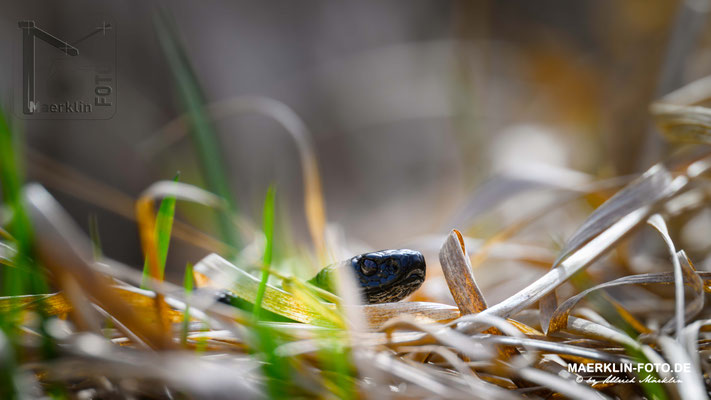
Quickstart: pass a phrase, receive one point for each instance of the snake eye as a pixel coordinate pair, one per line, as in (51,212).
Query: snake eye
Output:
(368,267)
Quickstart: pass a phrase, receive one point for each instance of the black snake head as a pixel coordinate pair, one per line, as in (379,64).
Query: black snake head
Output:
(389,275)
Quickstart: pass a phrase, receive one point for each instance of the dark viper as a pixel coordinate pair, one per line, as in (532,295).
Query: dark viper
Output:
(384,276)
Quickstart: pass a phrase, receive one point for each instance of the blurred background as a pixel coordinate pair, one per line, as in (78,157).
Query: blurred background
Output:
(412,106)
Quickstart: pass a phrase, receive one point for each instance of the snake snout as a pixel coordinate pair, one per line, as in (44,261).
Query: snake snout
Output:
(401,272)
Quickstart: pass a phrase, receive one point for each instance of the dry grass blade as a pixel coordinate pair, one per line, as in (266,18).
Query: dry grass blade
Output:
(141,301)
(691,385)
(202,303)
(658,223)
(444,336)
(450,357)
(653,186)
(593,330)
(690,341)
(68,257)
(378,314)
(645,193)
(550,347)
(680,118)
(507,327)
(565,387)
(561,314)
(682,269)
(418,376)
(212,378)
(697,284)
(460,278)
(54,304)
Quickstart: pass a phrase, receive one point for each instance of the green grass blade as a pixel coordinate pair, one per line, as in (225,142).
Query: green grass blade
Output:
(26,276)
(268,228)
(648,380)
(164,225)
(14,279)
(335,358)
(276,369)
(202,130)
(94,235)
(188,287)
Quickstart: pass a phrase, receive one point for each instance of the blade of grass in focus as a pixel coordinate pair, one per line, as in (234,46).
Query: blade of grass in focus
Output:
(268,229)
(203,132)
(164,225)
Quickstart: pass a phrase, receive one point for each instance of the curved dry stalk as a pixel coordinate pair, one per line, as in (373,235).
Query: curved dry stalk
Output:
(696,305)
(658,223)
(457,270)
(550,347)
(314,205)
(560,316)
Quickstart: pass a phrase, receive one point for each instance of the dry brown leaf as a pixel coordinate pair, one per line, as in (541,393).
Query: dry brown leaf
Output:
(457,270)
